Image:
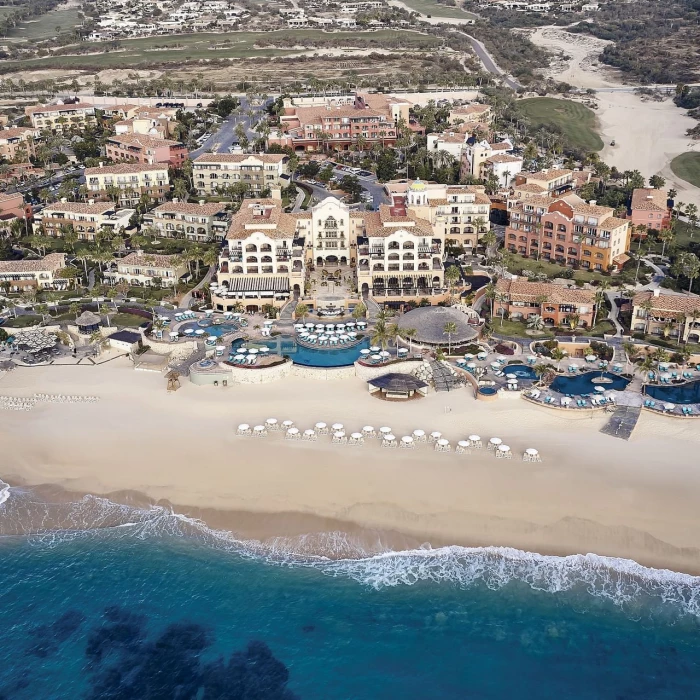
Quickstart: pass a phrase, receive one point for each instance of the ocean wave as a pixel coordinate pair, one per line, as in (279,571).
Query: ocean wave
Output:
(622,581)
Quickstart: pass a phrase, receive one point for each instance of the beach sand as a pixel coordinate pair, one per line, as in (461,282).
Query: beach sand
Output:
(647,134)
(591,493)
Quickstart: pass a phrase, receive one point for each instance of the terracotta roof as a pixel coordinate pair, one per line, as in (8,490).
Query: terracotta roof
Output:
(501,146)
(504,158)
(451,137)
(644,199)
(533,187)
(50,263)
(380,101)
(79,207)
(16,133)
(308,115)
(243,223)
(549,174)
(206,209)
(239,157)
(522,290)
(167,261)
(472,109)
(58,108)
(676,303)
(126,168)
(612,222)
(142,140)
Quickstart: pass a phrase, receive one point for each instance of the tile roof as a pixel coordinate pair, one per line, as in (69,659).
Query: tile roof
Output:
(79,207)
(472,109)
(548,175)
(243,223)
(15,133)
(451,137)
(533,187)
(504,158)
(523,290)
(501,146)
(167,261)
(49,263)
(644,199)
(142,140)
(239,157)
(126,168)
(206,209)
(309,115)
(58,108)
(612,222)
(677,303)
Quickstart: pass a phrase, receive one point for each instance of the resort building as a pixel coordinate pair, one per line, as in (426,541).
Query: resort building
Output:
(648,207)
(452,142)
(264,262)
(556,304)
(131,180)
(44,273)
(212,172)
(337,124)
(673,315)
(13,206)
(551,181)
(476,154)
(503,167)
(471,113)
(399,255)
(86,219)
(157,128)
(196,222)
(568,231)
(62,117)
(139,148)
(458,213)
(146,270)
(18,143)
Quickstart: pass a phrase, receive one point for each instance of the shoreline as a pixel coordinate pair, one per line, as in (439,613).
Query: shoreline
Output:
(591,493)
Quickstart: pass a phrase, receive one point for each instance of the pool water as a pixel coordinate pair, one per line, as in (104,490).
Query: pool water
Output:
(311,357)
(213,329)
(683,393)
(583,383)
(487,390)
(520,371)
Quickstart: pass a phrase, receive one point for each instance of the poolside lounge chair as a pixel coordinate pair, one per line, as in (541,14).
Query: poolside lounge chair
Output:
(252,359)
(549,399)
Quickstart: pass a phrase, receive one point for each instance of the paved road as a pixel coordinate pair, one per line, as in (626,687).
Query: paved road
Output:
(489,64)
(370,184)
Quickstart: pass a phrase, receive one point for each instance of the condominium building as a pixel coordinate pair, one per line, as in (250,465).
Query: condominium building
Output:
(556,304)
(473,112)
(674,315)
(85,218)
(44,273)
(131,179)
(18,143)
(61,117)
(212,172)
(551,181)
(476,154)
(648,207)
(142,148)
(196,222)
(146,270)
(264,262)
(13,206)
(569,231)
(459,213)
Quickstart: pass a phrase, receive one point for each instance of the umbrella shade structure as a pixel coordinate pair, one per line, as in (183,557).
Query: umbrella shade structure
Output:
(395,385)
(429,323)
(669,406)
(88,322)
(600,389)
(33,341)
(374,348)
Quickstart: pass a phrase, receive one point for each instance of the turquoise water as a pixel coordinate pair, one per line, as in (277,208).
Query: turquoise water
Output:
(521,371)
(683,394)
(217,329)
(583,384)
(338,356)
(145,606)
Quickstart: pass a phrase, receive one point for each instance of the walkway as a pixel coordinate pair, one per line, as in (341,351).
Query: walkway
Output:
(187,299)
(613,313)
(443,378)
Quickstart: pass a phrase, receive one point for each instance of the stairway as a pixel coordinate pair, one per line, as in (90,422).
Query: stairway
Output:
(373,308)
(443,379)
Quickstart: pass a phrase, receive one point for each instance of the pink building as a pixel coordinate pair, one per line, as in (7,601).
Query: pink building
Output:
(649,207)
(141,148)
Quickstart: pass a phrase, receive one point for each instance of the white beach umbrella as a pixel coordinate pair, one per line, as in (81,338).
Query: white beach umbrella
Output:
(495,441)
(337,426)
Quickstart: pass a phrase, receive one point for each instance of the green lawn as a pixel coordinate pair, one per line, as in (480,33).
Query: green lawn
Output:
(22,321)
(575,121)
(191,47)
(435,9)
(127,320)
(44,27)
(517,329)
(551,269)
(687,167)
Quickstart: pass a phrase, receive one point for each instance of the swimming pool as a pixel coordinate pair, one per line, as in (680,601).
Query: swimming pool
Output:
(310,357)
(583,383)
(213,329)
(520,371)
(683,393)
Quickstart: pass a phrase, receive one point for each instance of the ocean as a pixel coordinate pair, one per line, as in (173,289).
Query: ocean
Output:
(101,600)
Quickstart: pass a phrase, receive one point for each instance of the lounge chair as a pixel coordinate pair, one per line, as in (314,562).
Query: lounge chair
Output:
(252,359)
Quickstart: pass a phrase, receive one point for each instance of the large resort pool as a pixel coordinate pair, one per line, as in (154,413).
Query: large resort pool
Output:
(307,356)
(681,394)
(586,383)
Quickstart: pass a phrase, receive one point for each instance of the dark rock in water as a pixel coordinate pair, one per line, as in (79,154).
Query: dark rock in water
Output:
(46,639)
(308,628)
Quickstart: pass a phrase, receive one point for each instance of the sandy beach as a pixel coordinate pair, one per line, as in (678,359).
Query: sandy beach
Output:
(647,134)
(591,493)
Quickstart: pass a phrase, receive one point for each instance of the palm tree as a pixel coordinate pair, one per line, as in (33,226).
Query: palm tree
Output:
(74,308)
(501,298)
(631,352)
(665,235)
(360,311)
(598,299)
(647,306)
(394,331)
(452,275)
(535,323)
(448,330)
(488,240)
(490,293)
(666,329)
(106,311)
(384,315)
(301,311)
(380,335)
(573,321)
(409,334)
(558,355)
(647,365)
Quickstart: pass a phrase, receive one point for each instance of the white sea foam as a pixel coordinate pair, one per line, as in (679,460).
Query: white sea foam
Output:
(622,581)
(4,491)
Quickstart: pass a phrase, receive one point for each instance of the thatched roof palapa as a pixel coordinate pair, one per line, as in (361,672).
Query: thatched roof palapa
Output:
(395,381)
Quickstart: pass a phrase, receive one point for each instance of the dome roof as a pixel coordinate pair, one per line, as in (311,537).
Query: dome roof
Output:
(417,186)
(429,322)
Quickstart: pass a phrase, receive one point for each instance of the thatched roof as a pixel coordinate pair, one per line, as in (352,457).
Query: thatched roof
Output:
(87,318)
(429,322)
(394,381)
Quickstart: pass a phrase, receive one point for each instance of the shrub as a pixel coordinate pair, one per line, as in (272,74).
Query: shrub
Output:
(503,349)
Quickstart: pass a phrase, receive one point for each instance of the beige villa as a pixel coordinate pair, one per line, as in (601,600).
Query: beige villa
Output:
(145,270)
(654,313)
